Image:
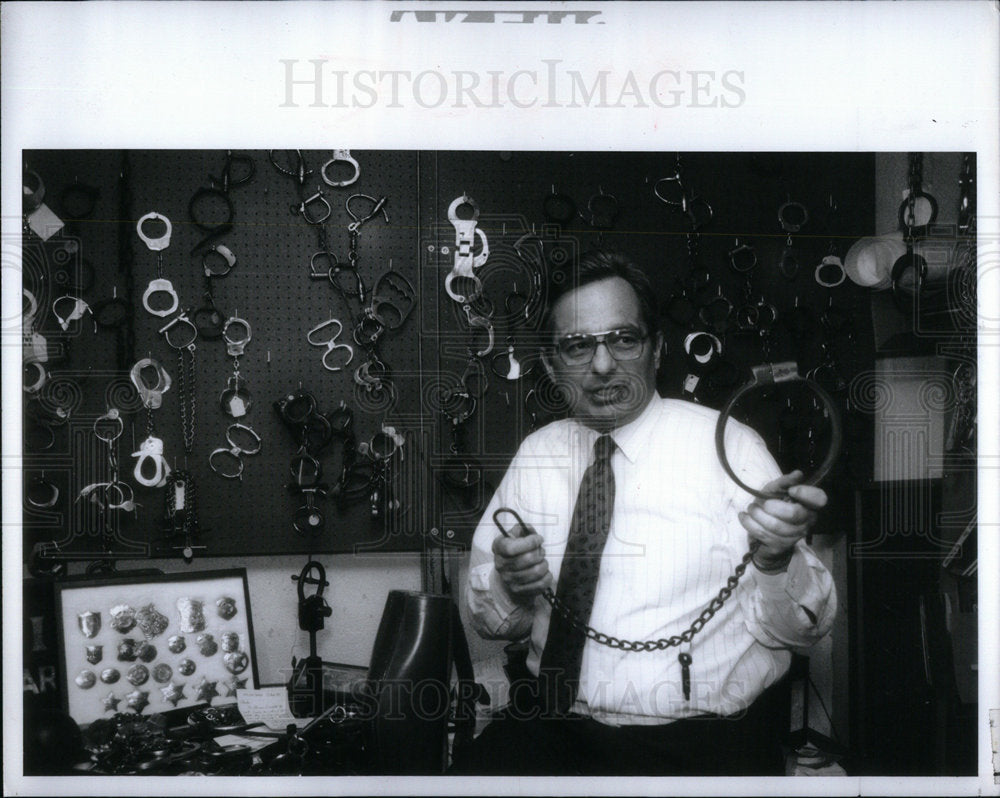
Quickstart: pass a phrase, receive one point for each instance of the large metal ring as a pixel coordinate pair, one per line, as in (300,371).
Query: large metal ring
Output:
(763,376)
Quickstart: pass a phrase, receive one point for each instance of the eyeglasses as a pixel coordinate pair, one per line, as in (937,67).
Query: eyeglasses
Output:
(623,344)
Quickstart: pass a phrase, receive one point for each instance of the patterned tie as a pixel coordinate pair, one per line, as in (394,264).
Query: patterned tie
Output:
(588,532)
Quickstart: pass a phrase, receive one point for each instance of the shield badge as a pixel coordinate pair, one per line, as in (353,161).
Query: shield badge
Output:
(90,623)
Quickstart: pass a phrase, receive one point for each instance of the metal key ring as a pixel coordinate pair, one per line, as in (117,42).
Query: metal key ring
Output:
(764,376)
(152,397)
(215,252)
(113,415)
(155,244)
(341,156)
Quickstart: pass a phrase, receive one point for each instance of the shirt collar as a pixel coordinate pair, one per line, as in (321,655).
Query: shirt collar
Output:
(630,437)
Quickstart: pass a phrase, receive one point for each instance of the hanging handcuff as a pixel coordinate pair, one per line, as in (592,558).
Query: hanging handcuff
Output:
(467,261)
(763,376)
(34,346)
(792,216)
(216,194)
(180,513)
(672,192)
(337,355)
(382,449)
(159,285)
(151,449)
(236,399)
(314,209)
(75,309)
(917,213)
(341,157)
(830,271)
(703,352)
(113,494)
(228,461)
(216,261)
(41,493)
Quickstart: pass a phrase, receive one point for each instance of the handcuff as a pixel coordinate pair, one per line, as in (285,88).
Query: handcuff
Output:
(466,261)
(341,157)
(603,210)
(670,191)
(77,311)
(34,347)
(159,285)
(792,216)
(220,459)
(765,376)
(219,190)
(151,449)
(330,342)
(41,493)
(236,399)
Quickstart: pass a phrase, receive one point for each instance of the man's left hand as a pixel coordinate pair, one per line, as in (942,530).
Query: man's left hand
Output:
(778,524)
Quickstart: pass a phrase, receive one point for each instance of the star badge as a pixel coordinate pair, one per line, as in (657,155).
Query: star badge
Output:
(173,693)
(206,690)
(137,700)
(111,702)
(234,684)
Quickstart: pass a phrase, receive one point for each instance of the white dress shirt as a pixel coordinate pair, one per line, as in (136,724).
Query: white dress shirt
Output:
(675,539)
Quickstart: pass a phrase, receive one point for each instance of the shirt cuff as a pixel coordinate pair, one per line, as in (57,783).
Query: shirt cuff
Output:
(485,579)
(793,582)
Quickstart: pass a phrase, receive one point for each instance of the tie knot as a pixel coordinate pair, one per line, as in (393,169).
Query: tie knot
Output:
(604,447)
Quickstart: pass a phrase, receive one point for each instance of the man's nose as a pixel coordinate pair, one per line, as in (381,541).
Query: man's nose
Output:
(603,362)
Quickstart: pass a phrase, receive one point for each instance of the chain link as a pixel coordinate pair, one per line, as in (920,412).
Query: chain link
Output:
(663,643)
(187,397)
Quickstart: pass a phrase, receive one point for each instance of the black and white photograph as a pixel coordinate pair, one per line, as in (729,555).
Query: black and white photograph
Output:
(559,398)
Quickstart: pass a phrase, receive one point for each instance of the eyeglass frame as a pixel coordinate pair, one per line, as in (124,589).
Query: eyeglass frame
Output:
(601,338)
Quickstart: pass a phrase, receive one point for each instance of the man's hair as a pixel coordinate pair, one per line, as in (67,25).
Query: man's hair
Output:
(601,264)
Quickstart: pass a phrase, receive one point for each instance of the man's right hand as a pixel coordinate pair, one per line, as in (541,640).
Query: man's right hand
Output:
(520,562)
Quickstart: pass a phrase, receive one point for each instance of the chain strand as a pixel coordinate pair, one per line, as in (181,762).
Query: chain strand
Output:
(665,642)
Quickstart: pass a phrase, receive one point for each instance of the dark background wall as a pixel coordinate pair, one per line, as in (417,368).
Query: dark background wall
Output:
(271,288)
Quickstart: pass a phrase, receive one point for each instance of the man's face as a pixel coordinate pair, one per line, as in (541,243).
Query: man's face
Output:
(606,392)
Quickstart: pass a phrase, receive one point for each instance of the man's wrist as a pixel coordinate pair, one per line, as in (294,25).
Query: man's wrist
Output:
(773,565)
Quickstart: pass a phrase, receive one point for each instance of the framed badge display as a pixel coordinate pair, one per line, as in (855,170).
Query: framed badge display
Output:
(154,644)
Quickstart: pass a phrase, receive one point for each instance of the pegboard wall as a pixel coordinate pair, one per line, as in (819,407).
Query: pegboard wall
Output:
(457,407)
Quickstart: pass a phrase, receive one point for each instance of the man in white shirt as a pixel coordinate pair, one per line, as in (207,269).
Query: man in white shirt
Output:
(670,695)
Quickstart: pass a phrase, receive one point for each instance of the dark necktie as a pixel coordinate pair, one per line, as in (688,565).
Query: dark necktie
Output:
(588,532)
